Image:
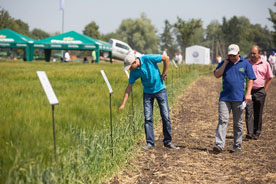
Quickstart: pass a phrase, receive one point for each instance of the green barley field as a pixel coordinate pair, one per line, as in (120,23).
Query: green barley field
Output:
(82,120)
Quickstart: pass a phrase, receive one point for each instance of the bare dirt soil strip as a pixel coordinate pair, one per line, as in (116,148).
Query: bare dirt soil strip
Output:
(194,121)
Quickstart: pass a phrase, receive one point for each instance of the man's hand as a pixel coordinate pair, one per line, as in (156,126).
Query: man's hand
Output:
(127,92)
(226,60)
(122,107)
(247,98)
(164,77)
(219,72)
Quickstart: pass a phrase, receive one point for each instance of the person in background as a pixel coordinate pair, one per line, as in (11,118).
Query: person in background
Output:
(254,108)
(176,57)
(67,56)
(94,57)
(85,60)
(233,69)
(218,59)
(180,58)
(165,52)
(264,56)
(146,68)
(272,62)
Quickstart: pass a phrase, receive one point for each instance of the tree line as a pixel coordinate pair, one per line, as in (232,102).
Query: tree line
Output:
(141,35)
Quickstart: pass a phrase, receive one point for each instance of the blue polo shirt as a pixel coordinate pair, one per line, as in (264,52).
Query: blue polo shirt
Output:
(233,80)
(149,74)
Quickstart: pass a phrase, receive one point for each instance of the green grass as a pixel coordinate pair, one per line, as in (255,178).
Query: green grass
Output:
(82,120)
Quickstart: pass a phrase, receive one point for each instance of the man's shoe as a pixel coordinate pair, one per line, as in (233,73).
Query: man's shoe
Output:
(249,136)
(235,150)
(255,137)
(171,146)
(148,147)
(217,149)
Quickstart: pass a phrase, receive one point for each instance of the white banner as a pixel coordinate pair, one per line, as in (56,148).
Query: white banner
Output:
(47,87)
(61,3)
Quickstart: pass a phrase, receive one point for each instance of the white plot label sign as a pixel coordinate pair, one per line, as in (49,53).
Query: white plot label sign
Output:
(174,63)
(107,82)
(127,73)
(47,87)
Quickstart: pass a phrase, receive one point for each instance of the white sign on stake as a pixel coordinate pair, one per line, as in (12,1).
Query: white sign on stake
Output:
(126,73)
(174,64)
(107,82)
(47,87)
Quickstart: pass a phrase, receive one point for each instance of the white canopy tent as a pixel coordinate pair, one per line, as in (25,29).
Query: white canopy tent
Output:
(197,55)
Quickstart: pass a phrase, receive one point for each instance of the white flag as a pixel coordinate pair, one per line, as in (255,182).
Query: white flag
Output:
(61,5)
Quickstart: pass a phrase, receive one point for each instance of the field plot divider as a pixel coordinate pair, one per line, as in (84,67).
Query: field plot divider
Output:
(110,107)
(52,100)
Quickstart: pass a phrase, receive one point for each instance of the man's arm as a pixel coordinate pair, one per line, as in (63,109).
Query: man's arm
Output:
(267,84)
(126,95)
(219,72)
(247,97)
(166,61)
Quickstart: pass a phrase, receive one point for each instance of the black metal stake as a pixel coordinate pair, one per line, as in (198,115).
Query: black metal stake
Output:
(54,130)
(132,106)
(111,124)
(172,81)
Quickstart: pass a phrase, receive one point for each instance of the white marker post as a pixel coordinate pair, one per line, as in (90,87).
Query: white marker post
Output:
(127,73)
(110,93)
(52,100)
(131,105)
(174,63)
(172,74)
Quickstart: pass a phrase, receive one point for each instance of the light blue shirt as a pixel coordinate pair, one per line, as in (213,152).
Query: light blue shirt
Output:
(149,74)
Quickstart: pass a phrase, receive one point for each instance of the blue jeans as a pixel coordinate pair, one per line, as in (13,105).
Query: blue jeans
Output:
(162,100)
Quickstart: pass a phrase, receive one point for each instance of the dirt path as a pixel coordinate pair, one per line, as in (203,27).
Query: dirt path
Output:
(194,121)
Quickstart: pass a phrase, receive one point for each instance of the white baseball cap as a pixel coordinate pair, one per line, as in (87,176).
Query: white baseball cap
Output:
(233,49)
(129,59)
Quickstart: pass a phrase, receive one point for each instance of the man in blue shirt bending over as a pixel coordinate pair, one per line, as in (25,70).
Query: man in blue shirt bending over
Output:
(234,70)
(145,67)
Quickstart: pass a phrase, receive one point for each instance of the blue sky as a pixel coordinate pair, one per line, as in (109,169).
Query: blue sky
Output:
(108,14)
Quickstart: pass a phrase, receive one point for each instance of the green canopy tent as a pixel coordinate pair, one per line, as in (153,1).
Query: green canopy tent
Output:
(69,41)
(12,39)
(103,46)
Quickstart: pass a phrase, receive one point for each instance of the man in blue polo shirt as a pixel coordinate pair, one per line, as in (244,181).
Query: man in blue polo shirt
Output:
(234,70)
(145,67)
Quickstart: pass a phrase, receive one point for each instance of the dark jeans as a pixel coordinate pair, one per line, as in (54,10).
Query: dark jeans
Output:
(162,101)
(254,112)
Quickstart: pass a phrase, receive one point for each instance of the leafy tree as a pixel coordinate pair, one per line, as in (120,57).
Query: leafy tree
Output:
(240,31)
(106,37)
(6,21)
(92,30)
(22,27)
(39,34)
(262,36)
(215,39)
(167,40)
(273,20)
(17,25)
(140,34)
(188,33)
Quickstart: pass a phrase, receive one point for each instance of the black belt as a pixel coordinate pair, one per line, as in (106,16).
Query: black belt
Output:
(258,89)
